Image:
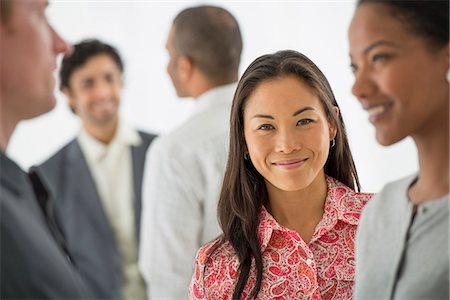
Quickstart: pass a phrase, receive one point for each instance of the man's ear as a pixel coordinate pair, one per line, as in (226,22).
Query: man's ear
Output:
(185,67)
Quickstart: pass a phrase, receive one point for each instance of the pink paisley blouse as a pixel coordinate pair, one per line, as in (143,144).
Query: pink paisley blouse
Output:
(324,268)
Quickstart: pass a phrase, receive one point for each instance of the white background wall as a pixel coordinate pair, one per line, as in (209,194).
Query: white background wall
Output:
(139,30)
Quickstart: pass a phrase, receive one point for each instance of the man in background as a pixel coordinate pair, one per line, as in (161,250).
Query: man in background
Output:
(97,177)
(184,172)
(34,260)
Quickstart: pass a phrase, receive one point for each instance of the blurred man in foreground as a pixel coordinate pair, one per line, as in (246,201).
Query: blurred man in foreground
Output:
(34,260)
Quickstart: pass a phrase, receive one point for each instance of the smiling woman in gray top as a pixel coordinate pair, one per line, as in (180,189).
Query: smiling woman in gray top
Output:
(399,52)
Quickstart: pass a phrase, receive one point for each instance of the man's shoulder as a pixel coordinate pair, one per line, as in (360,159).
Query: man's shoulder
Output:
(60,155)
(195,133)
(12,176)
(53,171)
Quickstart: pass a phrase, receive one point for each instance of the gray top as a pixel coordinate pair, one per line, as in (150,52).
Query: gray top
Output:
(399,255)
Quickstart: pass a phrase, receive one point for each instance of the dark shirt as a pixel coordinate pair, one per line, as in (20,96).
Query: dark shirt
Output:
(34,262)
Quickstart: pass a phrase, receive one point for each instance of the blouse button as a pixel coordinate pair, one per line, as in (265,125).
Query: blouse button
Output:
(309,261)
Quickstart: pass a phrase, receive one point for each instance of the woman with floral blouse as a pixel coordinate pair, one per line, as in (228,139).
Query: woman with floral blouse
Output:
(289,205)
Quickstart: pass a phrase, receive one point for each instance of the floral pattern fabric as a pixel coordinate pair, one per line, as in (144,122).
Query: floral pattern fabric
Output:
(324,268)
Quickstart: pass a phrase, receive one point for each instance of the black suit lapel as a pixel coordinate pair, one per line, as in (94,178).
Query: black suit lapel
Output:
(138,157)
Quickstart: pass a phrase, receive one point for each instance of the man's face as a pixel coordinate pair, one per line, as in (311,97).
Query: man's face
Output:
(173,68)
(94,91)
(29,46)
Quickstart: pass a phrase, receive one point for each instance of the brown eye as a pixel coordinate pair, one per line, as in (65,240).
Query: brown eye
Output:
(265,127)
(380,57)
(303,122)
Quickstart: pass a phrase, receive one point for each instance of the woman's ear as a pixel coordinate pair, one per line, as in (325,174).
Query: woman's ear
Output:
(332,124)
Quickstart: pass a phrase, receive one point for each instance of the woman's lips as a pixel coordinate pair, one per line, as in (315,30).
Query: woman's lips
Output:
(290,164)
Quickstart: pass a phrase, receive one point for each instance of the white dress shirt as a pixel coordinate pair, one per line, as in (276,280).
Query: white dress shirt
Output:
(181,185)
(112,171)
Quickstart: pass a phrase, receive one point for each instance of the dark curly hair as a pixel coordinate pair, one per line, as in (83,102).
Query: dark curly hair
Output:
(425,18)
(81,53)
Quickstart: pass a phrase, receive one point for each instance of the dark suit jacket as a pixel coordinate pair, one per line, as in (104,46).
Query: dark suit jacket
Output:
(33,262)
(85,224)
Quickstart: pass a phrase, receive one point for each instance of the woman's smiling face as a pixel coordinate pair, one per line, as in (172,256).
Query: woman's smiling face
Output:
(399,79)
(287,133)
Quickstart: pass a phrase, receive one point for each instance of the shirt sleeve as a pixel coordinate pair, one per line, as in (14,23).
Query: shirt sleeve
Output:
(171,222)
(196,288)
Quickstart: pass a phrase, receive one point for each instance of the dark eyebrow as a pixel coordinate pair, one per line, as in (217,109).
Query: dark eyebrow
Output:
(302,110)
(376,44)
(87,80)
(379,43)
(263,116)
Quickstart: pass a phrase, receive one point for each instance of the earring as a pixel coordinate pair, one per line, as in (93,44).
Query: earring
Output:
(333,143)
(246,156)
(448,75)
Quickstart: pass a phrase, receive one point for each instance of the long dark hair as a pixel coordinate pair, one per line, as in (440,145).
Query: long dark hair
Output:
(244,190)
